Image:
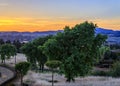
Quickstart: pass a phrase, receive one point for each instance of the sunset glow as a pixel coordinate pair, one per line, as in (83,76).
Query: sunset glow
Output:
(32,15)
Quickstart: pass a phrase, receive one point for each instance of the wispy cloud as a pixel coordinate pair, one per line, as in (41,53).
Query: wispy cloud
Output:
(3,4)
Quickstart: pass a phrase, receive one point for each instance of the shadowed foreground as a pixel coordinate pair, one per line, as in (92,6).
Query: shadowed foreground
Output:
(6,75)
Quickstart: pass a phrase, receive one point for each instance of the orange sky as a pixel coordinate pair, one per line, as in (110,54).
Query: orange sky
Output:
(44,24)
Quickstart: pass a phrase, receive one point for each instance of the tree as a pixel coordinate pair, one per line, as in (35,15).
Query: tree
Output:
(115,69)
(41,58)
(30,51)
(8,42)
(13,52)
(1,41)
(110,55)
(53,64)
(17,44)
(103,50)
(77,48)
(34,54)
(6,51)
(22,68)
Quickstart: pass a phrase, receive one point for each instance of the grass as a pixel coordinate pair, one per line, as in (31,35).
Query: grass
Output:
(101,73)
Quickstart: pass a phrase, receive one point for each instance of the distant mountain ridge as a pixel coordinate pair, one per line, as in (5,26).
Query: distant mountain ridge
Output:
(113,36)
(107,31)
(25,36)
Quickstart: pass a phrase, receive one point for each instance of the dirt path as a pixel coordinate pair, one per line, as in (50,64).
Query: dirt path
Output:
(6,74)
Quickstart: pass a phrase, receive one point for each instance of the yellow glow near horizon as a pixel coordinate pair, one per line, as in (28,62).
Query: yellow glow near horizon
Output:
(45,24)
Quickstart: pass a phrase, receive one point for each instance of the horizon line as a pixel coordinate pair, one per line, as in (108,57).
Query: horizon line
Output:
(50,30)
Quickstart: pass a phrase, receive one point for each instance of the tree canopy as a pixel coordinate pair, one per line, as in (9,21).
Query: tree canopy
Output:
(6,51)
(77,48)
(34,54)
(53,64)
(17,44)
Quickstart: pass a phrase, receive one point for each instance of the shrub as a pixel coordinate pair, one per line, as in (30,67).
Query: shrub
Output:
(115,70)
(111,55)
(101,73)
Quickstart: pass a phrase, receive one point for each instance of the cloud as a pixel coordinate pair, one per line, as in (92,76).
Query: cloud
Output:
(3,4)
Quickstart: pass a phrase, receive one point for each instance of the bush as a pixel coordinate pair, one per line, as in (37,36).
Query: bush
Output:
(115,70)
(101,73)
(111,55)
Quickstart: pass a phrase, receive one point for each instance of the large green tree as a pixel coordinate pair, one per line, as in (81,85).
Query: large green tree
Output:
(77,48)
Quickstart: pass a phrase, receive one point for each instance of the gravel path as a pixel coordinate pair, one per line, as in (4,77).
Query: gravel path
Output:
(6,74)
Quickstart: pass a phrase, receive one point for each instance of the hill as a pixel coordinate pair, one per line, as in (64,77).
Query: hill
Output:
(113,36)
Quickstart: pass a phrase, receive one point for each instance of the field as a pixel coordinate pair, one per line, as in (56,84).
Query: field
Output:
(41,79)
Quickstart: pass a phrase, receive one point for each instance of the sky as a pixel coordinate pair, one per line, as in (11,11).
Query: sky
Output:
(44,15)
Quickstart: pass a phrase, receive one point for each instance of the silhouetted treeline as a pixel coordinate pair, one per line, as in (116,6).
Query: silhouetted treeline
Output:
(16,43)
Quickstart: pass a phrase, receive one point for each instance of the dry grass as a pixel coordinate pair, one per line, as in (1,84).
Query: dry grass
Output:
(42,79)
(38,79)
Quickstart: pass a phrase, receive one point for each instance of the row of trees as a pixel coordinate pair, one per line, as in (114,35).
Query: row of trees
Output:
(16,43)
(77,49)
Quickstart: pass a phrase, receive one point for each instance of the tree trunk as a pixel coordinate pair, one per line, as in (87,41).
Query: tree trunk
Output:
(21,76)
(69,78)
(15,59)
(42,67)
(52,77)
(4,61)
(0,74)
